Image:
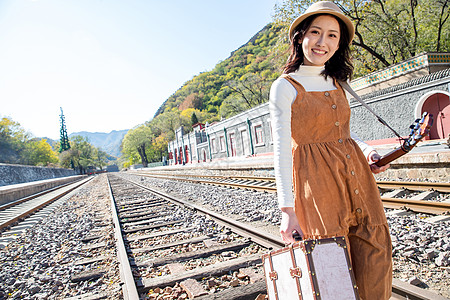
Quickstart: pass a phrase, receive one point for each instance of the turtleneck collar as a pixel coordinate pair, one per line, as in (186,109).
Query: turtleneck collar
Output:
(309,70)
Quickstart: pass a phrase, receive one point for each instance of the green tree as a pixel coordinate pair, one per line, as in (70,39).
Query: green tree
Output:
(194,119)
(253,89)
(232,106)
(13,139)
(166,123)
(64,138)
(39,153)
(82,155)
(101,159)
(137,141)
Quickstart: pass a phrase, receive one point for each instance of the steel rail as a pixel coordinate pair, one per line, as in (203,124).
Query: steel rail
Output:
(443,187)
(27,198)
(214,176)
(33,209)
(411,292)
(428,207)
(237,185)
(399,288)
(129,288)
(263,238)
(415,186)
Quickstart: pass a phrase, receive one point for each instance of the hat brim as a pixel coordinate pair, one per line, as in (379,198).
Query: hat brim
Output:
(342,17)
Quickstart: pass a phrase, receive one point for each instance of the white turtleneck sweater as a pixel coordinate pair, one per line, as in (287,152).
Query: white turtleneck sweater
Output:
(282,95)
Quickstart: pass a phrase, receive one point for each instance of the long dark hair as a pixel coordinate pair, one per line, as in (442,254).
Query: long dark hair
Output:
(339,66)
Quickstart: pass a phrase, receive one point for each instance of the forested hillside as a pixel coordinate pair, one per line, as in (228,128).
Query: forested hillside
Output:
(387,32)
(244,75)
(236,84)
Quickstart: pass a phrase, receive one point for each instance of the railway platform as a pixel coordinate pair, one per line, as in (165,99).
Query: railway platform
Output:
(428,160)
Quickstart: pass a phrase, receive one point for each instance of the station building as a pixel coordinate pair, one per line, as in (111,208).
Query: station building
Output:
(399,94)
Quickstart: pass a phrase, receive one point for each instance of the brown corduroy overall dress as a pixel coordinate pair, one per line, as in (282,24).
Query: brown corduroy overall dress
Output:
(335,192)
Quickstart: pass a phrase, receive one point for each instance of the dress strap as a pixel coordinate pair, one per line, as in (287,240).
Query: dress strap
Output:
(300,89)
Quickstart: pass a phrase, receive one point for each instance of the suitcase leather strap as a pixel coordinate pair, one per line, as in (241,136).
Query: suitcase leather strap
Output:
(296,272)
(273,275)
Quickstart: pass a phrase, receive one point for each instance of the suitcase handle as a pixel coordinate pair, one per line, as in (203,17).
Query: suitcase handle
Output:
(297,237)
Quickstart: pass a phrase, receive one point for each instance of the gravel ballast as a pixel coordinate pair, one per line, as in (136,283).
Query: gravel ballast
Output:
(40,264)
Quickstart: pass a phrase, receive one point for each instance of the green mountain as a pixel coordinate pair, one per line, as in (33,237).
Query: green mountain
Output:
(244,78)
(236,84)
(108,142)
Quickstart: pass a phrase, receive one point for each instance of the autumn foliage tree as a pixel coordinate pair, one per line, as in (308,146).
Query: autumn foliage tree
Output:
(19,147)
(38,152)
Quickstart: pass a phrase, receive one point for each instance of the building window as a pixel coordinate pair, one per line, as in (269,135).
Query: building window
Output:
(222,143)
(232,144)
(245,142)
(259,135)
(213,145)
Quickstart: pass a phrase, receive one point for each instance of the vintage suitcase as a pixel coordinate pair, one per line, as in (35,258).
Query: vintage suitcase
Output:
(310,269)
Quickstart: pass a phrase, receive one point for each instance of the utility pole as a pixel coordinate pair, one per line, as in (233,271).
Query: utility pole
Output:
(64,139)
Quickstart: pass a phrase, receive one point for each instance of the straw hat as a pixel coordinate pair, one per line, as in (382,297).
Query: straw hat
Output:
(324,7)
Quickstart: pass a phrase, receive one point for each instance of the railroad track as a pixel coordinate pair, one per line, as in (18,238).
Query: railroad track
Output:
(159,283)
(393,192)
(266,184)
(168,246)
(17,211)
(171,243)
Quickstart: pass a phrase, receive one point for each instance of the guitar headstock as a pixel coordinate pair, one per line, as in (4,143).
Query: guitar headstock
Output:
(421,129)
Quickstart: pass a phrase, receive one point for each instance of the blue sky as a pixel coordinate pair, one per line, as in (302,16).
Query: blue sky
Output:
(108,63)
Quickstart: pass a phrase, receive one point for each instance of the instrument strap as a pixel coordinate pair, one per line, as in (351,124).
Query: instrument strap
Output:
(349,89)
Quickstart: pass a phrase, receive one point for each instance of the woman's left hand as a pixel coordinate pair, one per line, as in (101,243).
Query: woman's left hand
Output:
(373,158)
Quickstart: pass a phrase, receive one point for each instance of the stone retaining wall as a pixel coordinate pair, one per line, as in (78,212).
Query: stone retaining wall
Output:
(15,174)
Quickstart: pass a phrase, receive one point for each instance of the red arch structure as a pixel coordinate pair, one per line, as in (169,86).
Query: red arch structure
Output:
(437,104)
(186,153)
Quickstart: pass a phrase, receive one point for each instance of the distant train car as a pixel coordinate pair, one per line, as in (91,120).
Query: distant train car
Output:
(90,170)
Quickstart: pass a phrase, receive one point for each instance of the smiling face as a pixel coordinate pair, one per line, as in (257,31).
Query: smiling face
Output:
(320,41)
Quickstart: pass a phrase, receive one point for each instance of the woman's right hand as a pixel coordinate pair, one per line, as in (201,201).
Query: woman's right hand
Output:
(289,224)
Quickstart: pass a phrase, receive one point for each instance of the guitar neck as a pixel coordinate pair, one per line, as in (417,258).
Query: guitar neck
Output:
(393,155)
(418,132)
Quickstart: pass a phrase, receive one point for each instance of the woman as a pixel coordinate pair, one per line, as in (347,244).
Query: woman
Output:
(330,169)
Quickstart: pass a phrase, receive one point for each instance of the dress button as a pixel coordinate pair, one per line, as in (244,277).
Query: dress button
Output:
(337,123)
(353,173)
(327,94)
(334,106)
(340,141)
(356,192)
(359,210)
(348,156)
